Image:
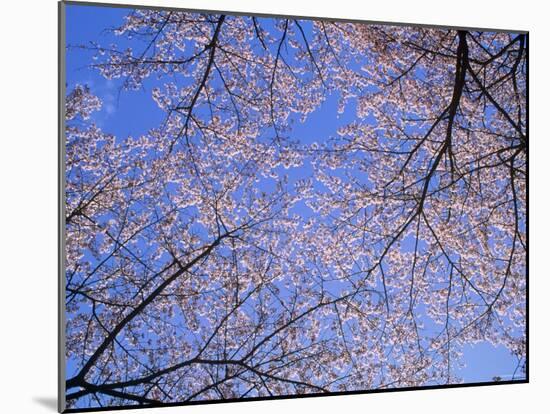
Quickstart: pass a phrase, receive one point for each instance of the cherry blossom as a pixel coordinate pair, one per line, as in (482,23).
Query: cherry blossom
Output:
(199,268)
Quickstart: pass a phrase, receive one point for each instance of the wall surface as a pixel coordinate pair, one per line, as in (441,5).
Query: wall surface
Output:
(28,227)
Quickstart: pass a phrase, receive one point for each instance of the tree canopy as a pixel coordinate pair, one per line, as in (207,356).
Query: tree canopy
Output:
(220,255)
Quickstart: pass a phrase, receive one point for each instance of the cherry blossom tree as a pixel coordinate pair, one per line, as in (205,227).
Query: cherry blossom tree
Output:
(198,268)
(434,179)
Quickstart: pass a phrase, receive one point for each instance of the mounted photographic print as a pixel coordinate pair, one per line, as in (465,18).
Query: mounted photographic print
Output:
(259,207)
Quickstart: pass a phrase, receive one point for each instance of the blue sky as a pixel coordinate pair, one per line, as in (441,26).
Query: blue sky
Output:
(134,113)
